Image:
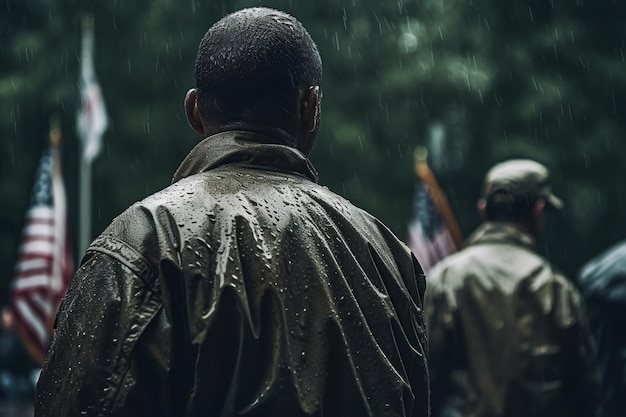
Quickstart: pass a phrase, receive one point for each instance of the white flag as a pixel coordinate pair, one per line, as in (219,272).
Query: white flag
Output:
(92,118)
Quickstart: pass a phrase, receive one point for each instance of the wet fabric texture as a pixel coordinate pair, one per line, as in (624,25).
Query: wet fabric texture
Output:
(243,289)
(603,284)
(508,333)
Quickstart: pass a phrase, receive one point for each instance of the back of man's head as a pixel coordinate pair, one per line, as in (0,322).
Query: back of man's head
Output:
(512,188)
(251,66)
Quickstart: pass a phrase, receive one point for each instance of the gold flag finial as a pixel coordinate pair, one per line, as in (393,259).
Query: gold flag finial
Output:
(420,154)
(55,131)
(87,21)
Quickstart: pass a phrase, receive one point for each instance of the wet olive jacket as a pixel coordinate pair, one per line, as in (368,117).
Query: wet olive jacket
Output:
(243,289)
(508,334)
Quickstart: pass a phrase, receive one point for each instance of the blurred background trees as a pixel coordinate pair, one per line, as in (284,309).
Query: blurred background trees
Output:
(476,82)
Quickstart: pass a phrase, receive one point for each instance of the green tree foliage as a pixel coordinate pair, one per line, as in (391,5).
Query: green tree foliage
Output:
(499,79)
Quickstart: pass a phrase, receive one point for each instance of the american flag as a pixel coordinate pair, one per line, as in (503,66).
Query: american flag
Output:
(44,264)
(433,231)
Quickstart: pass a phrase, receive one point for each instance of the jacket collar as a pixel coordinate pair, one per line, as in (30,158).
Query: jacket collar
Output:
(245,148)
(497,232)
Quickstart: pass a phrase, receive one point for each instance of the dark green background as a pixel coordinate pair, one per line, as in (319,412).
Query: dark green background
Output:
(541,79)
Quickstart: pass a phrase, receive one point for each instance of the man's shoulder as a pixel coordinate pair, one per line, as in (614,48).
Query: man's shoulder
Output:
(245,193)
(492,259)
(452,269)
(459,261)
(604,277)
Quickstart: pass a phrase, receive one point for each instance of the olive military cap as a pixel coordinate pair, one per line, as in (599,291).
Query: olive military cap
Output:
(519,178)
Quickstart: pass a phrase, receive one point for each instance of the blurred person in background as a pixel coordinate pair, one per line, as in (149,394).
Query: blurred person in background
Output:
(508,332)
(603,284)
(244,288)
(18,371)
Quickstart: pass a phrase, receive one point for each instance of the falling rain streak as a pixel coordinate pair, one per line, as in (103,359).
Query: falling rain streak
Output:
(504,79)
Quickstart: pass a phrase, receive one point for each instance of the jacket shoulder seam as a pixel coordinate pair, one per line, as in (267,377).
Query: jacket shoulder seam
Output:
(126,254)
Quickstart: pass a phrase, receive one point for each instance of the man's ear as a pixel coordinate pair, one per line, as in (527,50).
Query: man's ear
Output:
(192,112)
(536,222)
(538,208)
(481,206)
(310,110)
(309,119)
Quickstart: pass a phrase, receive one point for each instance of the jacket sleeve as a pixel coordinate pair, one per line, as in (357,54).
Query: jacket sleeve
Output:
(441,338)
(97,364)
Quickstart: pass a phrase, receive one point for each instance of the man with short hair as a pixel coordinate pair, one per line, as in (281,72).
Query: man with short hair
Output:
(508,332)
(244,288)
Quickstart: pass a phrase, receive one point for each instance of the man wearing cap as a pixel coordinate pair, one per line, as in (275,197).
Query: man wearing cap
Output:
(508,332)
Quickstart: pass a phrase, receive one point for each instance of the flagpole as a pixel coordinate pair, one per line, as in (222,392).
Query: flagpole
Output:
(57,283)
(58,194)
(91,123)
(84,237)
(423,171)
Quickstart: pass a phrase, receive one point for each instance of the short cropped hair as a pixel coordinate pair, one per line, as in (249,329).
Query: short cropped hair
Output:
(252,64)
(504,208)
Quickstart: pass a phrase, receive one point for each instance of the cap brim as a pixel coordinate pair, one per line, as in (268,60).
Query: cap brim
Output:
(554,201)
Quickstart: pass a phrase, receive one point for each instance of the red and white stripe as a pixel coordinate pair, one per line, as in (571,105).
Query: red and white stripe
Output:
(43,268)
(430,250)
